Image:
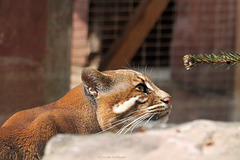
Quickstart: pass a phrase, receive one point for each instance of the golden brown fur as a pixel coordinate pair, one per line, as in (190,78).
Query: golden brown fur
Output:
(96,105)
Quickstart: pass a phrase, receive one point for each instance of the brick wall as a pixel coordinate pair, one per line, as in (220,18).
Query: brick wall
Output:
(80,32)
(79,40)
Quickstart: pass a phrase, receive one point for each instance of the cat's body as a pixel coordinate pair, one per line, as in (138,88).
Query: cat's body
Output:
(108,101)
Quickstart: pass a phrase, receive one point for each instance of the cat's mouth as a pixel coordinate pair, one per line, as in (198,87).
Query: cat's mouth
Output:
(159,116)
(159,111)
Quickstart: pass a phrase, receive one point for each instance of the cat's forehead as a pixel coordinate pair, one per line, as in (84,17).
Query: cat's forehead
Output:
(139,75)
(128,72)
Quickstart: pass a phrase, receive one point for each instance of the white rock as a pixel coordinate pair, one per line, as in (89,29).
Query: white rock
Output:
(197,140)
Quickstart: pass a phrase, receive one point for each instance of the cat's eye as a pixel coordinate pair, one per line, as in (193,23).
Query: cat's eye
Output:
(143,88)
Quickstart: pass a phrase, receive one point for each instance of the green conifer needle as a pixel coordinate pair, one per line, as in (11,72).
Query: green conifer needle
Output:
(230,59)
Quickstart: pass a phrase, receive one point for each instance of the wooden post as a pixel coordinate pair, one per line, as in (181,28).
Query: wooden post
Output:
(135,32)
(236,107)
(58,49)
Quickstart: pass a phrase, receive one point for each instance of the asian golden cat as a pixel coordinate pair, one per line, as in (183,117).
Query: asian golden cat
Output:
(106,101)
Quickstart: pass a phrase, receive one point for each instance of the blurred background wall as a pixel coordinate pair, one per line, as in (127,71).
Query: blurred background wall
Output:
(35,50)
(45,44)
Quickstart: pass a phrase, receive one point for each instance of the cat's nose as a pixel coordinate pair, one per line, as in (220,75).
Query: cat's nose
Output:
(167,100)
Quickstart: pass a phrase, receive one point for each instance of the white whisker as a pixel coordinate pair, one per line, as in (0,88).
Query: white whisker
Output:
(127,116)
(120,131)
(127,119)
(136,124)
(120,122)
(124,127)
(148,120)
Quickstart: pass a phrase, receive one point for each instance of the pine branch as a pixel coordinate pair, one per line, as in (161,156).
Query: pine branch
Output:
(230,59)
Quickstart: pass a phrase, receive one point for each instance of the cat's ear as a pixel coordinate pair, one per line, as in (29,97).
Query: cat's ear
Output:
(95,81)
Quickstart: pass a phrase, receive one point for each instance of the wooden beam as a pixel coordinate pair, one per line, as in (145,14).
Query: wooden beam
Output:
(236,107)
(134,34)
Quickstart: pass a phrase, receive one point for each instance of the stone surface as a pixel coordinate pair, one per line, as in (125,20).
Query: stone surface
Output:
(198,140)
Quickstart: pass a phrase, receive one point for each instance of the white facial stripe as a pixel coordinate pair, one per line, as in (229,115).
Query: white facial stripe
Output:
(121,108)
(140,76)
(154,106)
(151,107)
(149,86)
(143,100)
